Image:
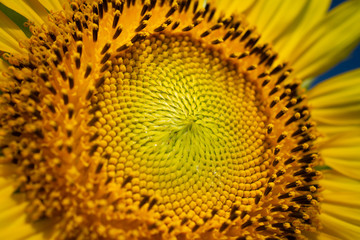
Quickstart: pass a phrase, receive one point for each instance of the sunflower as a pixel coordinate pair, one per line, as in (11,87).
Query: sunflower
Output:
(178,120)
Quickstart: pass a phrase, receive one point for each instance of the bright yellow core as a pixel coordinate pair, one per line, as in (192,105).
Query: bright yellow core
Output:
(158,120)
(181,120)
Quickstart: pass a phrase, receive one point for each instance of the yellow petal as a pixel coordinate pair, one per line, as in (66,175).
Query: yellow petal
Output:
(13,220)
(311,13)
(347,200)
(330,41)
(8,198)
(55,5)
(339,91)
(279,20)
(324,236)
(336,227)
(341,205)
(332,130)
(10,215)
(229,7)
(336,103)
(19,228)
(10,35)
(335,182)
(31,9)
(342,154)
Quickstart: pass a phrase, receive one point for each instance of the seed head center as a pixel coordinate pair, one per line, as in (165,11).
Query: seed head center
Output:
(188,121)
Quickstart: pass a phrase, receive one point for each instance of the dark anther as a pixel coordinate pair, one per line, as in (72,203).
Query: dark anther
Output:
(280,173)
(105,66)
(292,185)
(77,62)
(243,214)
(100,82)
(281,113)
(196,3)
(282,78)
(138,37)
(70,112)
(246,34)
(105,48)
(89,94)
(188,28)
(223,227)
(298,148)
(71,82)
(144,201)
(101,13)
(95,32)
(281,137)
(87,71)
(184,221)
(152,203)
(257,199)
(251,43)
(117,32)
(302,199)
(267,190)
(99,167)
(265,82)
(271,60)
(276,69)
(290,160)
(175,25)
(94,137)
(263,74)
(93,149)
(309,158)
(246,224)
(196,227)
(211,15)
(126,181)
(116,19)
(105,5)
(286,195)
(171,228)
(93,121)
(108,180)
(141,26)
(235,35)
(214,211)
(261,228)
(296,215)
(171,11)
(274,90)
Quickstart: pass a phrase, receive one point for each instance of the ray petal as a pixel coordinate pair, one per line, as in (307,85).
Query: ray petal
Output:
(10,35)
(341,153)
(31,9)
(329,41)
(55,5)
(336,103)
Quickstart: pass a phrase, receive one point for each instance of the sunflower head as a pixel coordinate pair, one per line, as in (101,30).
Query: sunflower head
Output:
(159,120)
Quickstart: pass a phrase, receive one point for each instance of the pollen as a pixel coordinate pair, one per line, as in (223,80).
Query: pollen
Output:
(159,120)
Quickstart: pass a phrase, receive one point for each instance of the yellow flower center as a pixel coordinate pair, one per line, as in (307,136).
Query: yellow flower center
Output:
(159,120)
(182,120)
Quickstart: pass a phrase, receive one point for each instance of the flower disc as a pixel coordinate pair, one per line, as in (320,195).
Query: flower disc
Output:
(181,119)
(159,120)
